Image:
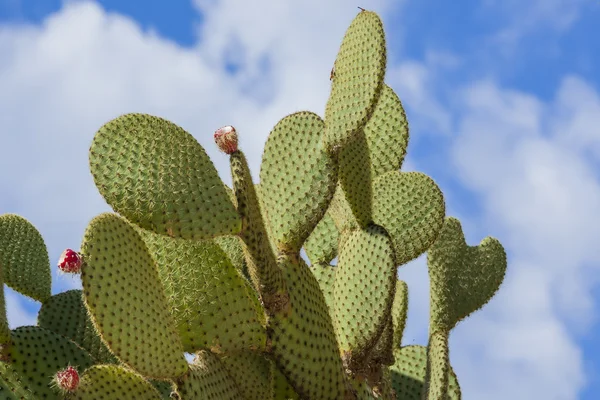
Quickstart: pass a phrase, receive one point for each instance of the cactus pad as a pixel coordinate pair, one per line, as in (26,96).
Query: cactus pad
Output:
(383,351)
(252,374)
(24,257)
(315,370)
(463,278)
(297,179)
(322,244)
(11,384)
(113,382)
(363,292)
(400,312)
(212,305)
(386,134)
(355,179)
(37,354)
(158,176)
(125,297)
(325,275)
(282,390)
(65,313)
(359,71)
(208,379)
(408,374)
(410,206)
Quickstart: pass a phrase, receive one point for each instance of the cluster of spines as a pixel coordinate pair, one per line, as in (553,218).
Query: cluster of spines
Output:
(191,265)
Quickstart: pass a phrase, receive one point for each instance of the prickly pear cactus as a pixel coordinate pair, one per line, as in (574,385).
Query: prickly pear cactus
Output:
(189,265)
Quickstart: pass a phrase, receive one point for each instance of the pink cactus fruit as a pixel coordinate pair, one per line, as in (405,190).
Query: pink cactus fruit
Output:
(67,380)
(70,261)
(227,139)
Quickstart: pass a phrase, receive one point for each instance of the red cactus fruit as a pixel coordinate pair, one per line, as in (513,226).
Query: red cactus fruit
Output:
(70,261)
(227,139)
(67,379)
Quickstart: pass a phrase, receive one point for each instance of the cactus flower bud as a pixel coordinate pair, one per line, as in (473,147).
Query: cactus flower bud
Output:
(227,139)
(67,379)
(70,261)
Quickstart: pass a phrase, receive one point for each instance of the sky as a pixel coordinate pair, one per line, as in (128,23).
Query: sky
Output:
(503,102)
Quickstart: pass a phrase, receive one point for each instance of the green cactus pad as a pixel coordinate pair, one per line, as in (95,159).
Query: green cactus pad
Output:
(212,305)
(165,388)
(341,212)
(282,390)
(65,313)
(383,351)
(322,244)
(359,71)
(325,275)
(37,354)
(24,258)
(208,379)
(265,216)
(411,207)
(363,291)
(362,390)
(315,371)
(438,366)
(126,300)
(463,278)
(297,179)
(262,266)
(251,373)
(386,134)
(355,178)
(400,312)
(113,382)
(234,248)
(408,374)
(11,384)
(158,176)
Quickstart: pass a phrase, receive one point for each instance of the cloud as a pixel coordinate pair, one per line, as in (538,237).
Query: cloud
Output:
(525,18)
(540,196)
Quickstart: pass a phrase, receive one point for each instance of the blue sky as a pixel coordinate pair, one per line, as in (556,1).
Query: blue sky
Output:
(503,101)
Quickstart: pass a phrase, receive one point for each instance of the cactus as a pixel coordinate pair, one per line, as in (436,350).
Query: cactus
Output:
(187,265)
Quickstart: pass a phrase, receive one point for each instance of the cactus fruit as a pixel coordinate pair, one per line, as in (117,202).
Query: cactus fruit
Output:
(70,262)
(227,139)
(67,380)
(186,264)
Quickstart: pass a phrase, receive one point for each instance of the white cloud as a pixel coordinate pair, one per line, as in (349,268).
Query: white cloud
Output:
(540,195)
(525,18)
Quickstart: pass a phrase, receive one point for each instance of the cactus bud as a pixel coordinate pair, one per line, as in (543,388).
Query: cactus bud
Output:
(70,261)
(67,380)
(227,140)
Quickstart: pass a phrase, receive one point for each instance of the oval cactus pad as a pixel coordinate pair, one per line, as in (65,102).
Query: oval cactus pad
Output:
(363,292)
(297,179)
(65,313)
(358,78)
(113,382)
(411,207)
(159,177)
(37,354)
(24,258)
(212,305)
(125,297)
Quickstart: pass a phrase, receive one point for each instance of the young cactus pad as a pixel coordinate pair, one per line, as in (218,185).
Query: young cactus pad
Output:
(186,264)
